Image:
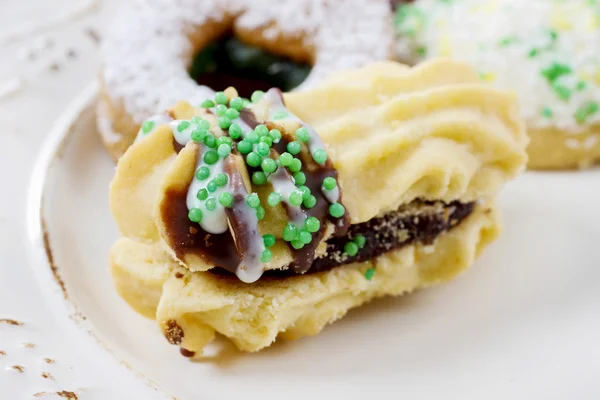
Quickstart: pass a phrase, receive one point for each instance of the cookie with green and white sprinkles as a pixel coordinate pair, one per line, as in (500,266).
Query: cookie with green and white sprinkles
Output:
(543,50)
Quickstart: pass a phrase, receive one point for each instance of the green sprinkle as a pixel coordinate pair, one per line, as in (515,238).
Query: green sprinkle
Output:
(553,35)
(220,110)
(295,198)
(329,183)
(555,71)
(203,124)
(246,102)
(296,165)
(336,210)
(290,232)
(252,137)
(226,199)
(224,123)
(268,165)
(320,156)
(586,111)
(351,249)
(297,244)
(225,140)
(263,149)
(207,104)
(147,126)
(533,53)
(266,140)
(244,147)
(310,202)
(232,113)
(302,134)
(266,256)
(224,150)
(202,173)
(369,274)
(280,115)
(235,131)
(564,93)
(305,192)
(285,159)
(274,199)
(221,180)
(212,186)
(253,159)
(294,147)
(196,120)
(260,213)
(261,130)
(257,96)
(546,112)
(421,51)
(299,178)
(221,98)
(210,140)
(305,237)
(360,241)
(581,85)
(259,178)
(508,40)
(312,224)
(275,134)
(211,157)
(252,200)
(202,194)
(237,103)
(269,240)
(195,215)
(211,204)
(183,126)
(199,134)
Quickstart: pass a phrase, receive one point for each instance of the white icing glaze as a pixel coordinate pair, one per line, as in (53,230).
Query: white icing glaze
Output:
(158,119)
(283,184)
(146,51)
(332,195)
(251,267)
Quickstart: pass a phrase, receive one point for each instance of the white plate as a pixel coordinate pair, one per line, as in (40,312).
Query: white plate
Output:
(523,323)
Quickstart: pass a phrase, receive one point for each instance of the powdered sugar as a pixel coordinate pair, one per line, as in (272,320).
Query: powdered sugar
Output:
(146,51)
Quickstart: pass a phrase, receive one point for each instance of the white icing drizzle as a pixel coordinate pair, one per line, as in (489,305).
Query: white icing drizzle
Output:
(146,51)
(332,195)
(158,120)
(283,184)
(275,101)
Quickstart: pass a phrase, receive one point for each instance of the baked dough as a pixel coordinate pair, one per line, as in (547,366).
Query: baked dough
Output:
(395,135)
(543,50)
(149,47)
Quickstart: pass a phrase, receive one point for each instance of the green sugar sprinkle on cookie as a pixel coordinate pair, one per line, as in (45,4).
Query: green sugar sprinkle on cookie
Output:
(275,135)
(221,98)
(212,186)
(546,112)
(290,232)
(225,140)
(259,178)
(221,179)
(336,210)
(199,134)
(147,126)
(285,159)
(252,137)
(195,215)
(280,115)
(299,178)
(360,241)
(274,199)
(260,213)
(211,204)
(232,113)
(235,131)
(563,92)
(211,157)
(224,122)
(329,183)
(351,249)
(257,96)
(309,202)
(202,194)
(320,156)
(210,140)
(266,256)
(252,200)
(202,173)
(268,165)
(237,103)
(312,224)
(585,112)
(305,192)
(220,110)
(295,198)
(244,147)
(369,274)
(269,240)
(226,199)
(182,126)
(297,244)
(261,130)
(224,150)
(294,147)
(266,140)
(295,165)
(305,237)
(207,104)
(253,159)
(263,149)
(555,71)
(302,134)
